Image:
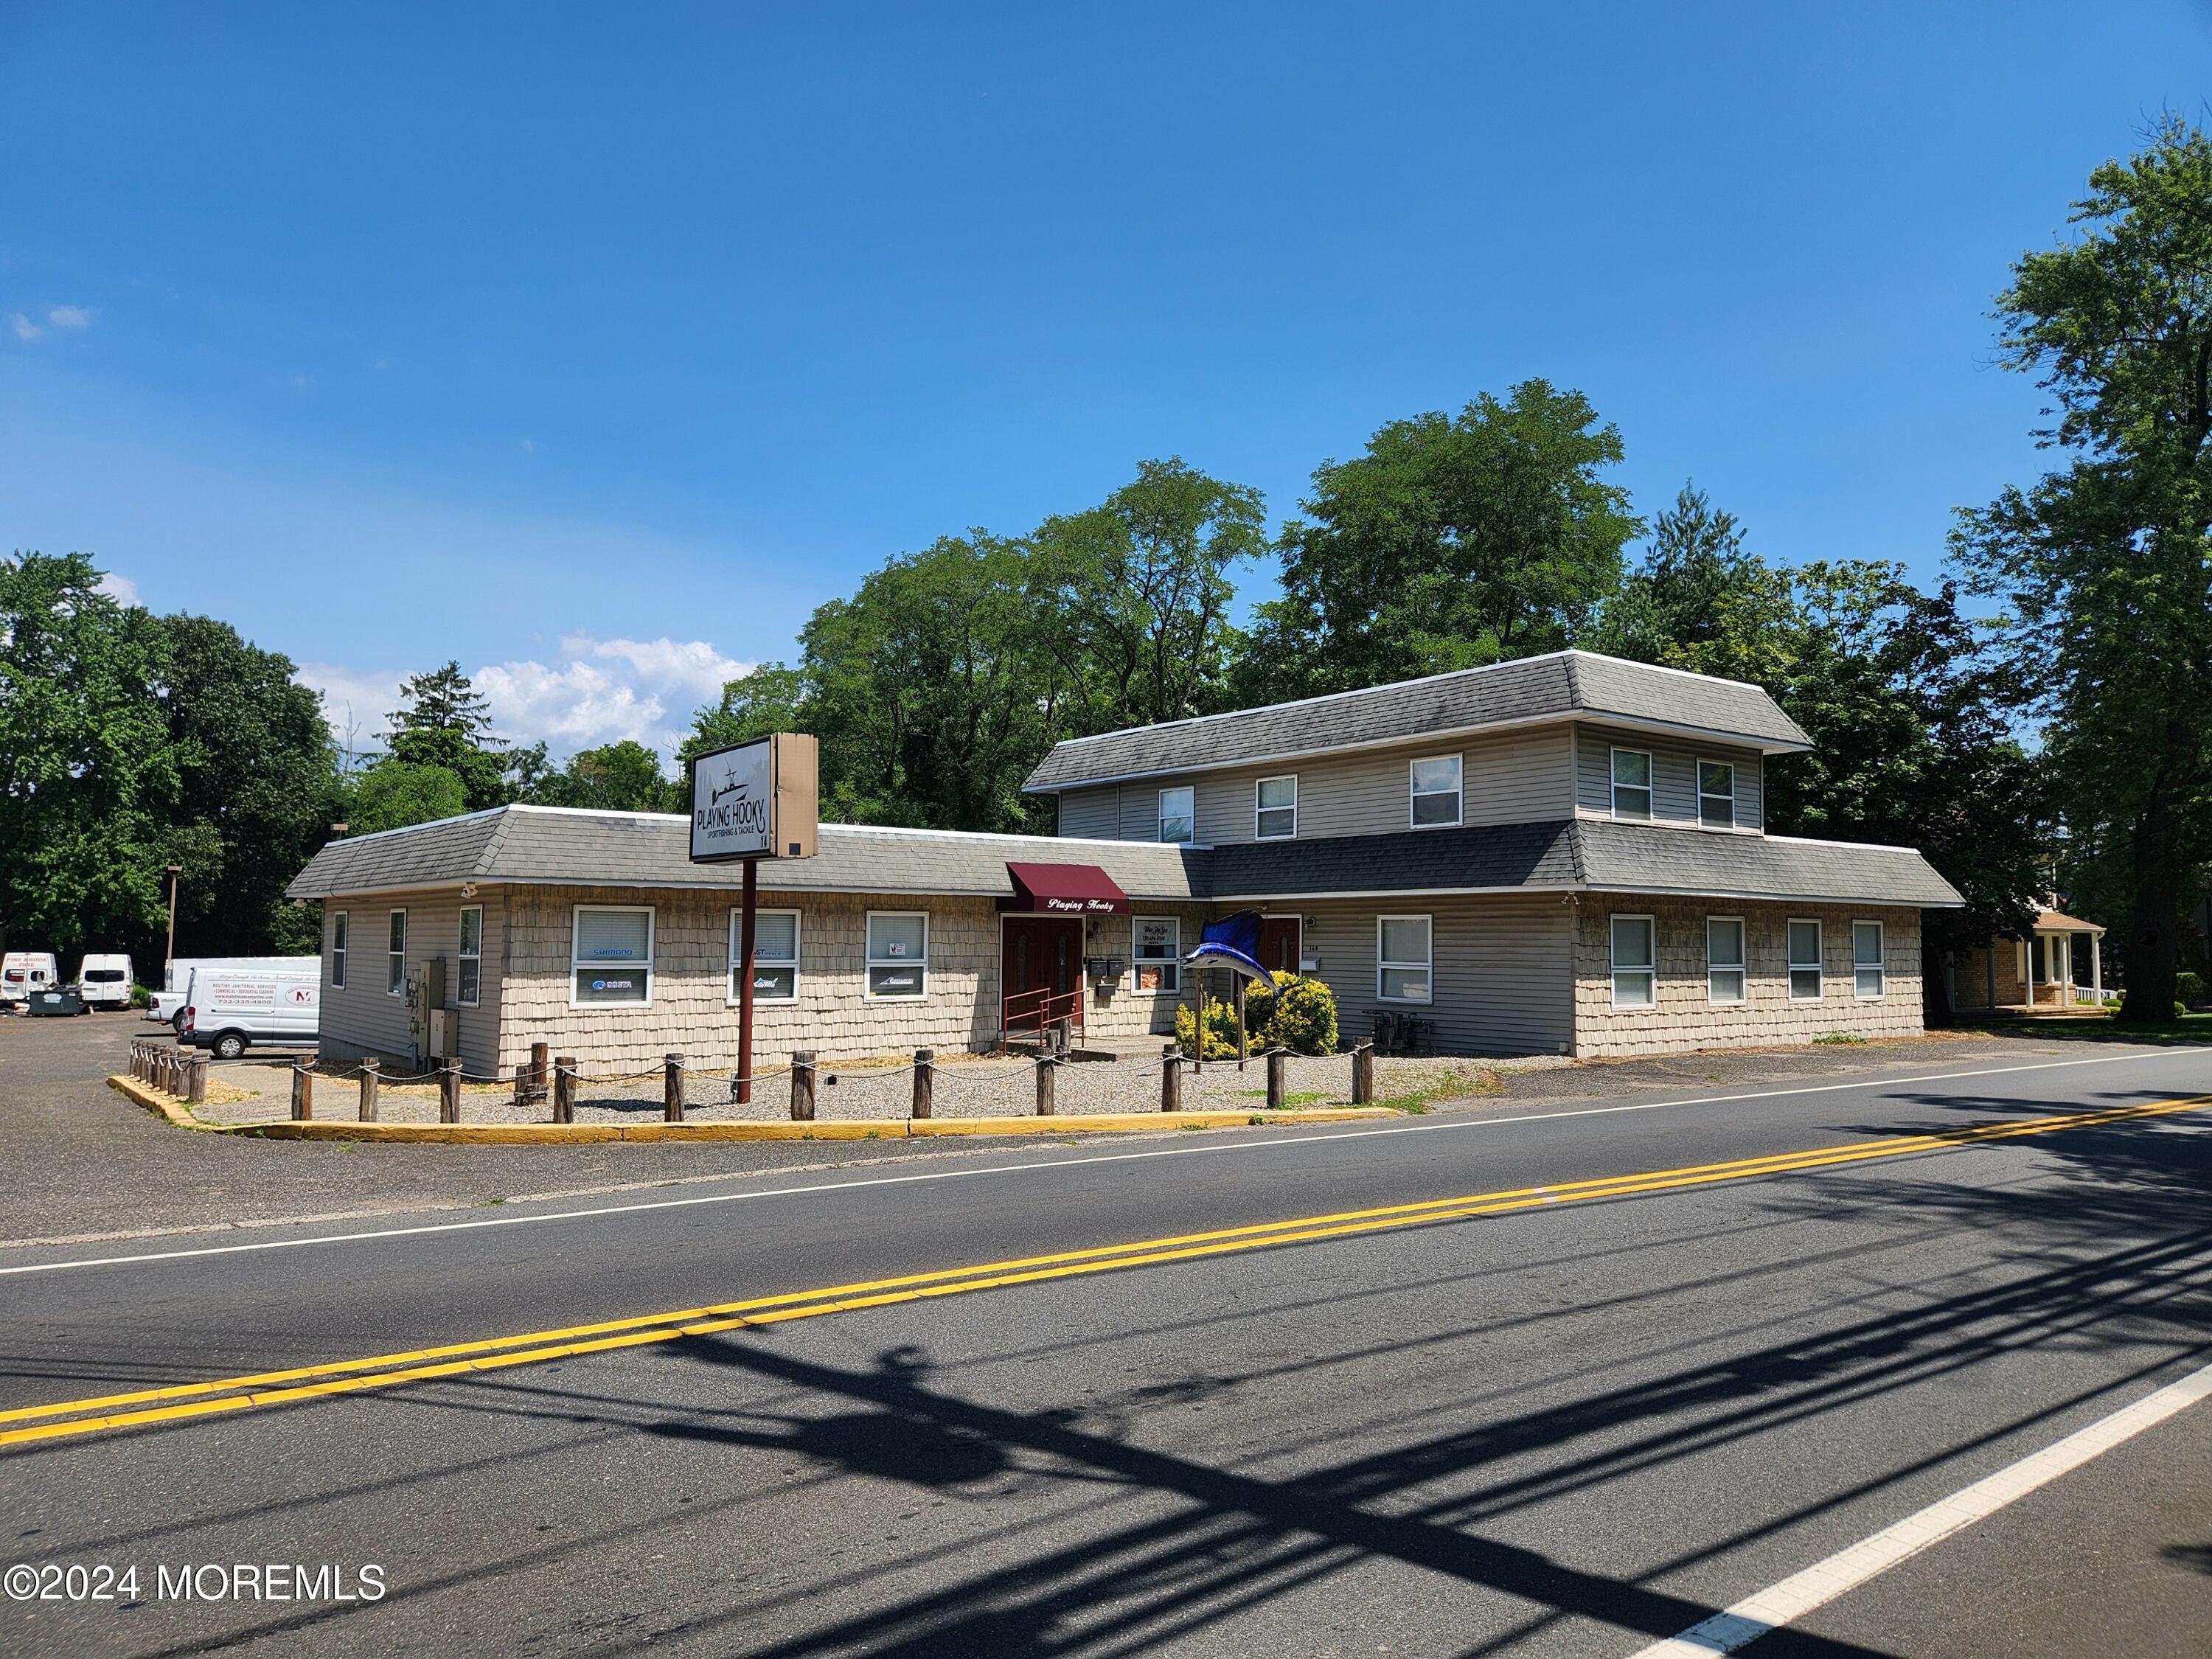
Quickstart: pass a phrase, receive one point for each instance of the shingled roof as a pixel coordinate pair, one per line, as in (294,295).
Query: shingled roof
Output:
(1527,691)
(568,848)
(553,847)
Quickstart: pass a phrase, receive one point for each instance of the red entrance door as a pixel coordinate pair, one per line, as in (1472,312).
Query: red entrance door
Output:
(1278,943)
(1041,953)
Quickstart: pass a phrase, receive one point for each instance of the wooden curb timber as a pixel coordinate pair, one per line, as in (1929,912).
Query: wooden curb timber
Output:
(570,1134)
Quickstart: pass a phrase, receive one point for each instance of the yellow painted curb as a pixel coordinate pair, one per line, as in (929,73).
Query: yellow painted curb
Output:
(558,1134)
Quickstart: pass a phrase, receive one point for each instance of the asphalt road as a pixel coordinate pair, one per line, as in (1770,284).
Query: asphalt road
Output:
(1567,1425)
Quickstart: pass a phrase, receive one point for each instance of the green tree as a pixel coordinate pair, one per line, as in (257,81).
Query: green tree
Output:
(444,725)
(1137,594)
(615,777)
(1681,596)
(771,698)
(258,785)
(88,781)
(1452,541)
(394,793)
(2105,565)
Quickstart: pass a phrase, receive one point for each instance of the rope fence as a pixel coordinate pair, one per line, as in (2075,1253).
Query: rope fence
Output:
(553,1088)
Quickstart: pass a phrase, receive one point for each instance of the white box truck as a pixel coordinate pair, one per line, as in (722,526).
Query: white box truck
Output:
(103,981)
(229,1009)
(168,1004)
(22,972)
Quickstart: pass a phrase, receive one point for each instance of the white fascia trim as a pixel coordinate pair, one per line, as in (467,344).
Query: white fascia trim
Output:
(339,896)
(1839,899)
(1879,845)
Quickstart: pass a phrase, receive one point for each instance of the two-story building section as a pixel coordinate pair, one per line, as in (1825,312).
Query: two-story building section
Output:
(1564,853)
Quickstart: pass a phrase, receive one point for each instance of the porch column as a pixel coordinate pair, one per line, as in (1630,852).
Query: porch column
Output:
(2097,965)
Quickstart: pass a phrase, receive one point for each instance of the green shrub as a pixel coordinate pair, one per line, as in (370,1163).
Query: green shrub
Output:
(141,997)
(1293,1012)
(2180,1012)
(1220,1029)
(1841,1039)
(2191,988)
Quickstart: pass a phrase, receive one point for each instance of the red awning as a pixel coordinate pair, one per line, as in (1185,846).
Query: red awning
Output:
(1064,890)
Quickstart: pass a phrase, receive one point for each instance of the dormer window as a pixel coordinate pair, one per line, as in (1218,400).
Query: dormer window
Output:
(1631,783)
(1717,794)
(1436,791)
(1179,814)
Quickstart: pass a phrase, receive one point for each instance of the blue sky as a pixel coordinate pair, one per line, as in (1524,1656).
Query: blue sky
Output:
(594,347)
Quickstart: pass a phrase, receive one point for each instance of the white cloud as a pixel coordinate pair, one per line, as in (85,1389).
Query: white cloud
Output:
(73,316)
(120,588)
(599,691)
(24,327)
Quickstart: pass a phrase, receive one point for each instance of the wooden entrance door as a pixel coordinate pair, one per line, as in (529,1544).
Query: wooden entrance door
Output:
(1041,953)
(1278,943)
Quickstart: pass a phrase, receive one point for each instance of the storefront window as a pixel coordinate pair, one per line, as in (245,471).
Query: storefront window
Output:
(613,960)
(898,955)
(775,955)
(1156,948)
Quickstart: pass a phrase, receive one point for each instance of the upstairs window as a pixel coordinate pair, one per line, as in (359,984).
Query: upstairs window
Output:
(775,955)
(1436,791)
(1275,808)
(1635,965)
(613,959)
(1804,962)
(1631,783)
(1717,794)
(468,974)
(1725,958)
(395,954)
(1179,814)
(1867,980)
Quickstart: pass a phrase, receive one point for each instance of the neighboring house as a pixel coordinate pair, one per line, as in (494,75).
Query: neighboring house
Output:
(2060,963)
(1562,855)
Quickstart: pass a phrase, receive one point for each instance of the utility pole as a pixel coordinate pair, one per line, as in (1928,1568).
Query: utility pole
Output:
(176,874)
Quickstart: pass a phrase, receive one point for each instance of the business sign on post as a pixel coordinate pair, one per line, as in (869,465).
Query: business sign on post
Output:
(757,800)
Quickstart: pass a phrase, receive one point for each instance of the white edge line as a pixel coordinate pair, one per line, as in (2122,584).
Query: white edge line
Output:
(1744,1622)
(1318,1137)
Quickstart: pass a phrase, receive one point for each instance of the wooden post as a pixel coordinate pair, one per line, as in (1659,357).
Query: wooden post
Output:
(564,1089)
(925,1081)
(521,1081)
(1171,1078)
(1046,1084)
(538,1054)
(196,1081)
(745,920)
(449,1092)
(369,1082)
(1242,1046)
(802,1085)
(1363,1073)
(671,1088)
(1278,1064)
(303,1093)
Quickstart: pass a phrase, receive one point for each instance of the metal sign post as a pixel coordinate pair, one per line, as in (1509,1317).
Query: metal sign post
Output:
(752,801)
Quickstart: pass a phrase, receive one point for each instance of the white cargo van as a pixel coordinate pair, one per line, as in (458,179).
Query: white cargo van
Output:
(103,981)
(168,1004)
(22,972)
(227,1009)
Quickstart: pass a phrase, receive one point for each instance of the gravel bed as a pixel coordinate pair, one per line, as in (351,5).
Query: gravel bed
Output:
(966,1086)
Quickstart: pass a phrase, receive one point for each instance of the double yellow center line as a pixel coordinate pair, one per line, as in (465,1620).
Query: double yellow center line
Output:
(187,1400)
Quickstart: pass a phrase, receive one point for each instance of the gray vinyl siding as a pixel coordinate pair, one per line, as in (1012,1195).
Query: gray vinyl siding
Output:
(1093,814)
(1517,777)
(1503,973)
(363,1019)
(1673,774)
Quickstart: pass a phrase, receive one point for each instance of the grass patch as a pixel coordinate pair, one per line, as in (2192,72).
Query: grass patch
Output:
(1840,1040)
(1304,1097)
(1417,1104)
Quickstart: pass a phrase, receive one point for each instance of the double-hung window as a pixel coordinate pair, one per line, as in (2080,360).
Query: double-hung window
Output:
(898,955)
(1724,959)
(1179,814)
(395,954)
(613,956)
(468,974)
(1867,980)
(1156,949)
(1804,962)
(1275,808)
(1717,794)
(775,955)
(1403,945)
(1631,783)
(337,949)
(1435,786)
(1635,964)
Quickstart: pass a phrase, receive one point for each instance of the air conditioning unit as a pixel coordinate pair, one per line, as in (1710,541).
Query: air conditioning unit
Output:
(445,1034)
